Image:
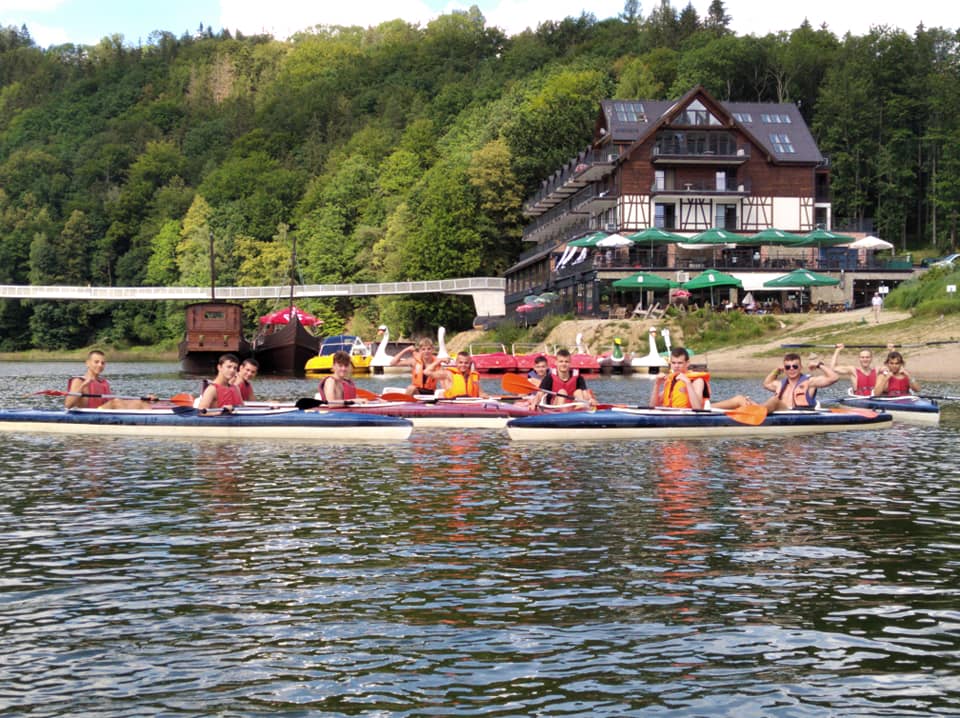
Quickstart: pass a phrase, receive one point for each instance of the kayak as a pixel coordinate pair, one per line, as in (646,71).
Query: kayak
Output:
(183,422)
(913,409)
(445,413)
(627,423)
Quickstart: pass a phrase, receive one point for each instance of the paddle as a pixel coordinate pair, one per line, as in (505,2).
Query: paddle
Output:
(869,413)
(871,346)
(937,398)
(182,399)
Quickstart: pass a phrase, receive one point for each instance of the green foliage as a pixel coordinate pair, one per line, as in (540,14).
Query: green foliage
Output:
(402,152)
(705,329)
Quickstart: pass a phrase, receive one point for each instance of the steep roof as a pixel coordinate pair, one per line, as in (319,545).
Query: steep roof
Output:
(778,128)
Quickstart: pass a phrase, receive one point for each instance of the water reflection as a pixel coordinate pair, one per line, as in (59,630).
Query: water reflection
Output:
(459,574)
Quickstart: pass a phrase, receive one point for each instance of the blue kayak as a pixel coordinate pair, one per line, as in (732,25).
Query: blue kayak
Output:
(625,423)
(914,409)
(286,423)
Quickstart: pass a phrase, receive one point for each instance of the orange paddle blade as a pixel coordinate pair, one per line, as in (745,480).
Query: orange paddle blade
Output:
(869,413)
(368,395)
(183,399)
(397,396)
(752,414)
(516,384)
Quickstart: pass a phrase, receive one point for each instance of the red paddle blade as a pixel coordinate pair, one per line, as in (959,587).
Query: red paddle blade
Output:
(396,396)
(368,395)
(752,414)
(48,392)
(869,413)
(516,384)
(183,399)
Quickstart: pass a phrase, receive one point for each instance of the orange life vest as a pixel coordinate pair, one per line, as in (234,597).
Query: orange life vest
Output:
(675,392)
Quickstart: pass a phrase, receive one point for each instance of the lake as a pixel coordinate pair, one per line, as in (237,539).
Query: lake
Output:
(460,574)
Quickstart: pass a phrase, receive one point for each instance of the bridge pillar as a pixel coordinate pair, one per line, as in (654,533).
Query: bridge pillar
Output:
(489,303)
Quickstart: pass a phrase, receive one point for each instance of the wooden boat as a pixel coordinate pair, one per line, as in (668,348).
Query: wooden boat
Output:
(322,363)
(627,423)
(913,409)
(284,348)
(492,362)
(446,413)
(188,423)
(212,329)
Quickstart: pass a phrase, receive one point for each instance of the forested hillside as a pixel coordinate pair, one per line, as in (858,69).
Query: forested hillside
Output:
(401,152)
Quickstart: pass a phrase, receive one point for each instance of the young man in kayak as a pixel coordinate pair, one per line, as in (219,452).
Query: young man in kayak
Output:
(221,393)
(338,388)
(684,389)
(540,369)
(92,384)
(796,390)
(894,379)
(421,356)
(244,378)
(863,378)
(563,386)
(458,380)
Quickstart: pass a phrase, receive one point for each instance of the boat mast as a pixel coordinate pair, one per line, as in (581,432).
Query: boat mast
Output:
(213,278)
(293,267)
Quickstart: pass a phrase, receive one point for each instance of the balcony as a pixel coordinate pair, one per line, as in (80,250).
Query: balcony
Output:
(680,188)
(586,168)
(696,154)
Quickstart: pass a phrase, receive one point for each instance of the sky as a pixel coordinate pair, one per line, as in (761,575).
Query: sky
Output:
(85,22)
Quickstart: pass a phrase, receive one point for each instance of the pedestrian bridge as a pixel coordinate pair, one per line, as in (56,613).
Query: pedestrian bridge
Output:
(487,292)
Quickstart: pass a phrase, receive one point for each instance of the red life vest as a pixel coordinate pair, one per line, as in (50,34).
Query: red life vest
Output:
(347,385)
(897,385)
(559,386)
(97,386)
(228,395)
(246,390)
(865,382)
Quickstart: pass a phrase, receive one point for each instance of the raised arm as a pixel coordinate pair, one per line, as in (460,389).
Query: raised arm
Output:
(828,377)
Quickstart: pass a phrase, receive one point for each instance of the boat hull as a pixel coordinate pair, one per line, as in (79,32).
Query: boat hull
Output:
(286,349)
(448,414)
(288,423)
(212,329)
(494,363)
(682,424)
(912,409)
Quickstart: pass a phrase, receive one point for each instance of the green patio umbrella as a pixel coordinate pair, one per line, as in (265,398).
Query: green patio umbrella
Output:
(710,278)
(644,280)
(714,235)
(589,241)
(655,234)
(824,238)
(773,236)
(801,279)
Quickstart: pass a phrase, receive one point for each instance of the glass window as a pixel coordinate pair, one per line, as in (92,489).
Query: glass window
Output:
(744,117)
(782,144)
(629,111)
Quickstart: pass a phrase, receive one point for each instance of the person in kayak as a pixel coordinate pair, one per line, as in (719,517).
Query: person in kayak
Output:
(221,392)
(419,357)
(792,389)
(685,389)
(563,386)
(245,376)
(96,389)
(894,379)
(338,388)
(458,380)
(863,377)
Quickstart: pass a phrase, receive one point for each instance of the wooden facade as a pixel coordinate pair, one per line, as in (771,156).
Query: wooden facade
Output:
(685,166)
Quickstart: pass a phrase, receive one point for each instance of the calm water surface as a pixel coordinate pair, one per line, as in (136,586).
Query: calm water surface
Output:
(457,574)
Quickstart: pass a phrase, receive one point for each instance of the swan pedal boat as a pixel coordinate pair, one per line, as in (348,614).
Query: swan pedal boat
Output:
(445,413)
(184,422)
(908,408)
(662,423)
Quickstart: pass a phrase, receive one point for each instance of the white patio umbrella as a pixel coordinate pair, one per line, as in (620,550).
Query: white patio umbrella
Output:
(614,240)
(870,242)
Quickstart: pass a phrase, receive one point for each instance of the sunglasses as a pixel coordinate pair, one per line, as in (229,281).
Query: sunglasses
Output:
(791,366)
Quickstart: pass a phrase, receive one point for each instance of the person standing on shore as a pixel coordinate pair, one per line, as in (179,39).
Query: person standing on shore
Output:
(876,304)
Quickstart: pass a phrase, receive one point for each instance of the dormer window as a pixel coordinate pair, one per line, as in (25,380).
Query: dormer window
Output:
(629,112)
(697,114)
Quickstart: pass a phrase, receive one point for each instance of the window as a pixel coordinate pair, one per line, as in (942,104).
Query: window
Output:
(743,117)
(697,114)
(721,181)
(775,118)
(660,180)
(665,216)
(782,144)
(629,111)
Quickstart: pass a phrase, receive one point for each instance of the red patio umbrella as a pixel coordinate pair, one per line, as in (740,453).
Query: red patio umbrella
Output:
(282,316)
